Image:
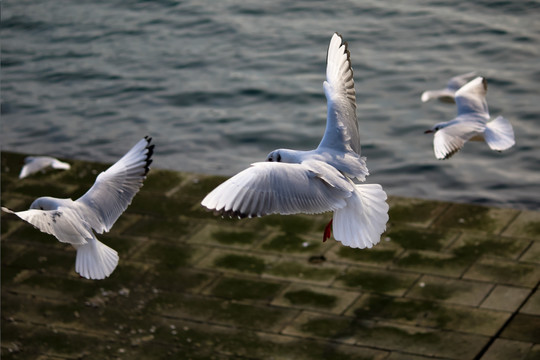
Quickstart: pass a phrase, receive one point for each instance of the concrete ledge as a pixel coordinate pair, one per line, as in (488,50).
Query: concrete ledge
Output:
(447,281)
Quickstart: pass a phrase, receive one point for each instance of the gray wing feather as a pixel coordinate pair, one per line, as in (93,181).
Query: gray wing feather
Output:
(115,188)
(284,188)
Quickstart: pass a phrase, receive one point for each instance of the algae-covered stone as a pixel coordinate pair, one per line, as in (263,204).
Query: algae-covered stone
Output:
(450,290)
(380,281)
(245,289)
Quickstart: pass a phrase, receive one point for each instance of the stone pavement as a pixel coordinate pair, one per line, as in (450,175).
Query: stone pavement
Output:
(447,281)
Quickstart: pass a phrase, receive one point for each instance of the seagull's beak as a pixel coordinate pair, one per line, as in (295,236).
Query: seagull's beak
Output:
(428,131)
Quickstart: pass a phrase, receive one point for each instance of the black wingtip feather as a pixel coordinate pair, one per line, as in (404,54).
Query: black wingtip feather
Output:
(149,154)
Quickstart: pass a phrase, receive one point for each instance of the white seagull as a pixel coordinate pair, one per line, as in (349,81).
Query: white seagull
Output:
(472,123)
(320,180)
(33,164)
(447,94)
(72,222)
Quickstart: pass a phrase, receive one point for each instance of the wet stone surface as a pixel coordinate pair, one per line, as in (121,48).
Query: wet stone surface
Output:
(447,281)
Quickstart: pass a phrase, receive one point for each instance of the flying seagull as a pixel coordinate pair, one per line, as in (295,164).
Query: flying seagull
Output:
(33,164)
(73,222)
(447,94)
(320,180)
(471,124)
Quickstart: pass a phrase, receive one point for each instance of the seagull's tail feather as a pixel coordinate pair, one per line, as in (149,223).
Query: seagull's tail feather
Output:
(499,134)
(95,260)
(361,223)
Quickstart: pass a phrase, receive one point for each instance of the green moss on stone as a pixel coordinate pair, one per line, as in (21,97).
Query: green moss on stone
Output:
(168,257)
(373,281)
(294,269)
(243,263)
(289,224)
(43,188)
(438,291)
(515,274)
(311,298)
(420,212)
(333,328)
(234,237)
(162,180)
(418,239)
(248,315)
(393,308)
(173,229)
(366,255)
(476,247)
(290,243)
(157,205)
(241,289)
(533,228)
(468,216)
(416,259)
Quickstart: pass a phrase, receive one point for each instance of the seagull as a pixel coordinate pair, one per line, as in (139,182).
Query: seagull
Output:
(472,123)
(447,94)
(33,164)
(73,222)
(325,179)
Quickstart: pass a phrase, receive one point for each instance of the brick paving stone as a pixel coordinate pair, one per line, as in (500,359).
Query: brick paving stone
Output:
(504,272)
(374,280)
(474,245)
(532,306)
(245,288)
(534,353)
(229,236)
(295,244)
(476,218)
(523,327)
(414,238)
(526,225)
(236,261)
(315,298)
(395,355)
(532,254)
(429,314)
(303,271)
(440,263)
(381,255)
(384,335)
(444,279)
(336,328)
(449,290)
(505,298)
(414,211)
(503,349)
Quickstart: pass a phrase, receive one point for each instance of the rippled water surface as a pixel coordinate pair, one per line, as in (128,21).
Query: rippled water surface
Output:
(219,84)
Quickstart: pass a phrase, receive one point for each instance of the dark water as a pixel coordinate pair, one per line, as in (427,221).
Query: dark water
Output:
(219,84)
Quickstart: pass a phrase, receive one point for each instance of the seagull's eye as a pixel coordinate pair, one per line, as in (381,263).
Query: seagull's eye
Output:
(41,207)
(269,158)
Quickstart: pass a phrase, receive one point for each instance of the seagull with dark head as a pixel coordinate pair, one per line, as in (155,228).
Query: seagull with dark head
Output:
(74,222)
(316,181)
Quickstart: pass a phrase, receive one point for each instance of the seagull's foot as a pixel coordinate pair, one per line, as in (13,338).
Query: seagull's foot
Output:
(327,231)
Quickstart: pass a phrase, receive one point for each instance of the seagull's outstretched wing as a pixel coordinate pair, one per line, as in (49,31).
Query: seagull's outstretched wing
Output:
(64,223)
(449,140)
(114,188)
(341,132)
(447,94)
(458,81)
(33,164)
(274,187)
(471,99)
